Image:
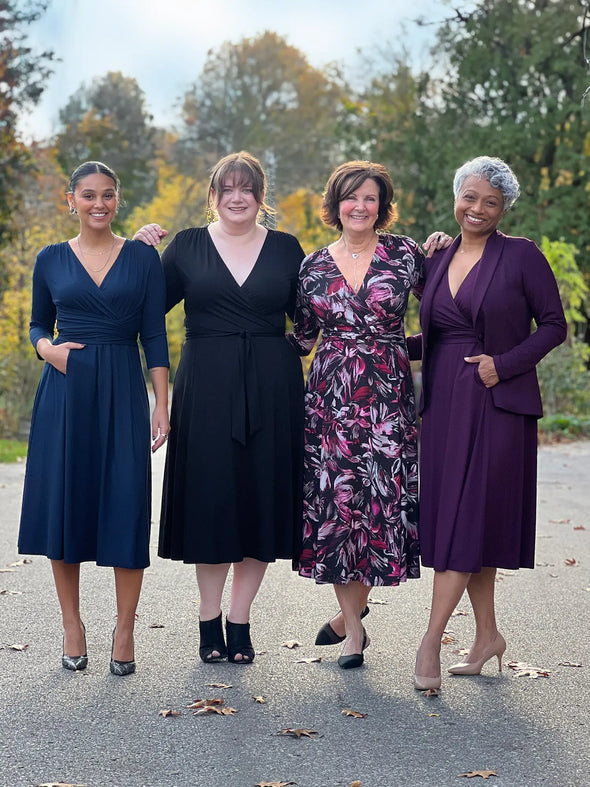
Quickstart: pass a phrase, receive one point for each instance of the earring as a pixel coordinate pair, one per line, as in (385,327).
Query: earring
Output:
(210,214)
(73,210)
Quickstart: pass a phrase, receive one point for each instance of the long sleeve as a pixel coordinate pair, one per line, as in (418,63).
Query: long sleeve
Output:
(153,322)
(43,310)
(306,328)
(542,296)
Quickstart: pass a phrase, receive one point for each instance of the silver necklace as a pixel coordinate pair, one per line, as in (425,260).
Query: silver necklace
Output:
(95,254)
(355,255)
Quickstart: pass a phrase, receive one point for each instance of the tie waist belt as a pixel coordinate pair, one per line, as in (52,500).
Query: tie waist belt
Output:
(245,395)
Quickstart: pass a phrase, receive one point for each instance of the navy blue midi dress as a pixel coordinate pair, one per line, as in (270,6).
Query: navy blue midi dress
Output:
(87,493)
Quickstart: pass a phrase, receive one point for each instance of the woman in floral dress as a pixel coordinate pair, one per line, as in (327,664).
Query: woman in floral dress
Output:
(361,473)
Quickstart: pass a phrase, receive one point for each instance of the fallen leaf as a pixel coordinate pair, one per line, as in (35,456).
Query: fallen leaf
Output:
(554,576)
(298,733)
(311,660)
(570,561)
(355,784)
(60,784)
(261,652)
(226,711)
(26,561)
(7,571)
(459,612)
(376,601)
(483,774)
(206,709)
(11,593)
(156,626)
(543,565)
(205,703)
(559,521)
(569,664)
(434,714)
(354,713)
(260,700)
(461,651)
(523,670)
(166,713)
(220,685)
(579,527)
(20,648)
(448,638)
(274,784)
(431,693)
(291,643)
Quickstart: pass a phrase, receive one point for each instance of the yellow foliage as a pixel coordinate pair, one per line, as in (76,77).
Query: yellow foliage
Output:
(564,178)
(299,214)
(586,145)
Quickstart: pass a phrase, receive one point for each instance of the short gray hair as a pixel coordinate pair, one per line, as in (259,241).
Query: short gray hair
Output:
(495,171)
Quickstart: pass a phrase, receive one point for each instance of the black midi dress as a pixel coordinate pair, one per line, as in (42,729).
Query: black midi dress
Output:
(233,476)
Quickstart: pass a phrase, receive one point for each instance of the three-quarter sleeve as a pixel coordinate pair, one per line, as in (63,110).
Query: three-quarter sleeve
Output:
(43,310)
(542,296)
(152,332)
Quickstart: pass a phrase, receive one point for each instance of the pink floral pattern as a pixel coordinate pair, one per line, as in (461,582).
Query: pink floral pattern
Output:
(361,474)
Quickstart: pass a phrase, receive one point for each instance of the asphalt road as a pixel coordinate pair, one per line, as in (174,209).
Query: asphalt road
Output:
(97,730)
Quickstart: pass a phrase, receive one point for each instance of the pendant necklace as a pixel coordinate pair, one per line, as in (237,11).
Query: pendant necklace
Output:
(355,255)
(95,254)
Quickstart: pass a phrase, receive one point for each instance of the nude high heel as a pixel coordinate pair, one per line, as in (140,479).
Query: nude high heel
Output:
(424,683)
(497,648)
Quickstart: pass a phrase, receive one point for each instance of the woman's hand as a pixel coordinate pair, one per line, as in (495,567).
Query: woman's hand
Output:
(57,354)
(436,241)
(160,426)
(486,369)
(150,234)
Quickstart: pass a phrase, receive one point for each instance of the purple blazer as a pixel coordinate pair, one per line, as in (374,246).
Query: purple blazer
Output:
(514,285)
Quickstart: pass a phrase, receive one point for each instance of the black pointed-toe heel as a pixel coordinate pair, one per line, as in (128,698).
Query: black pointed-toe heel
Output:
(239,642)
(354,659)
(120,667)
(74,663)
(327,635)
(211,639)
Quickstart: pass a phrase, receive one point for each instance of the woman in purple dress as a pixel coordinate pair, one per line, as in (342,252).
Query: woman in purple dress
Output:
(361,474)
(480,407)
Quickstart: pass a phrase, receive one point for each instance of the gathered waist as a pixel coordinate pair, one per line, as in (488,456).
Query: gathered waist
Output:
(201,334)
(363,336)
(124,341)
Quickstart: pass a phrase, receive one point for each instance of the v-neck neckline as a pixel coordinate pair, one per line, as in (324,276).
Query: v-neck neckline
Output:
(107,274)
(226,266)
(343,277)
(467,275)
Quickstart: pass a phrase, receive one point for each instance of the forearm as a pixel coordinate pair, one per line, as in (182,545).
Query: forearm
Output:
(159,379)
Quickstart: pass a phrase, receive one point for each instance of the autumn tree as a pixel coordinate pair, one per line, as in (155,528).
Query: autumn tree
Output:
(262,95)
(108,121)
(23,74)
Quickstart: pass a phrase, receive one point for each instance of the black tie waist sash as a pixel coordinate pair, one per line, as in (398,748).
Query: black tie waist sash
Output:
(245,395)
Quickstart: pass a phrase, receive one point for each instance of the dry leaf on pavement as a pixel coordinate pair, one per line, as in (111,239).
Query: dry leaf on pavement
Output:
(354,713)
(569,664)
(156,626)
(431,693)
(259,699)
(355,784)
(273,784)
(205,703)
(570,561)
(24,562)
(291,643)
(524,670)
(311,660)
(220,685)
(166,713)
(483,774)
(298,732)
(377,601)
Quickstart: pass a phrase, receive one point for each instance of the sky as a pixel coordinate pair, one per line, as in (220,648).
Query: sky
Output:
(163,43)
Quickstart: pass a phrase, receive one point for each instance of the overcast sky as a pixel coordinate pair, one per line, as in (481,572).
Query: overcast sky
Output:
(163,43)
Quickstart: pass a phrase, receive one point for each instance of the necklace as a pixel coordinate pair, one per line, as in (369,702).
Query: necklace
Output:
(355,256)
(96,254)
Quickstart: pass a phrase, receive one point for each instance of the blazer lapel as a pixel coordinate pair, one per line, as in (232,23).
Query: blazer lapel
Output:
(486,269)
(432,281)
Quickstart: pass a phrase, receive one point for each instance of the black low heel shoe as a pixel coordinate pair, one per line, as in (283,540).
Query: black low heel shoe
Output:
(239,642)
(327,635)
(211,639)
(75,663)
(354,659)
(120,667)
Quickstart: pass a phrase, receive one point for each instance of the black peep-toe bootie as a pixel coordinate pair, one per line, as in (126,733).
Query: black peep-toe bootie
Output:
(211,634)
(239,642)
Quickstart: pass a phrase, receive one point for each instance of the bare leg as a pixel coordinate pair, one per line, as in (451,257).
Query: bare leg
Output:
(481,588)
(337,622)
(248,576)
(67,585)
(128,587)
(446,592)
(211,579)
(352,599)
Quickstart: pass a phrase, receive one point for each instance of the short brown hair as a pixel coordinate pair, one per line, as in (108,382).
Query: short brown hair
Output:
(346,179)
(245,169)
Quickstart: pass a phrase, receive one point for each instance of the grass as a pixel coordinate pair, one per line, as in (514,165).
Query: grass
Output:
(12,451)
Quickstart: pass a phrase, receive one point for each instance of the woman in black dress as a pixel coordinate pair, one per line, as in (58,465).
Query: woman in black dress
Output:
(232,484)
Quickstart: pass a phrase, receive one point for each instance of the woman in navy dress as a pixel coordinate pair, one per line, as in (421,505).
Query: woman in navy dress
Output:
(232,483)
(87,494)
(480,408)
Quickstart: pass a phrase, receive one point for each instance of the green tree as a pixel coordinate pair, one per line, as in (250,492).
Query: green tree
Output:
(23,74)
(263,96)
(108,121)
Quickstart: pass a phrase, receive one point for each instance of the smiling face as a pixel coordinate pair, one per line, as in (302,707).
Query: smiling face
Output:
(236,203)
(479,207)
(359,210)
(96,200)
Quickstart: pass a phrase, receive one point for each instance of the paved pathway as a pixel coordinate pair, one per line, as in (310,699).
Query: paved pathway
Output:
(96,730)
